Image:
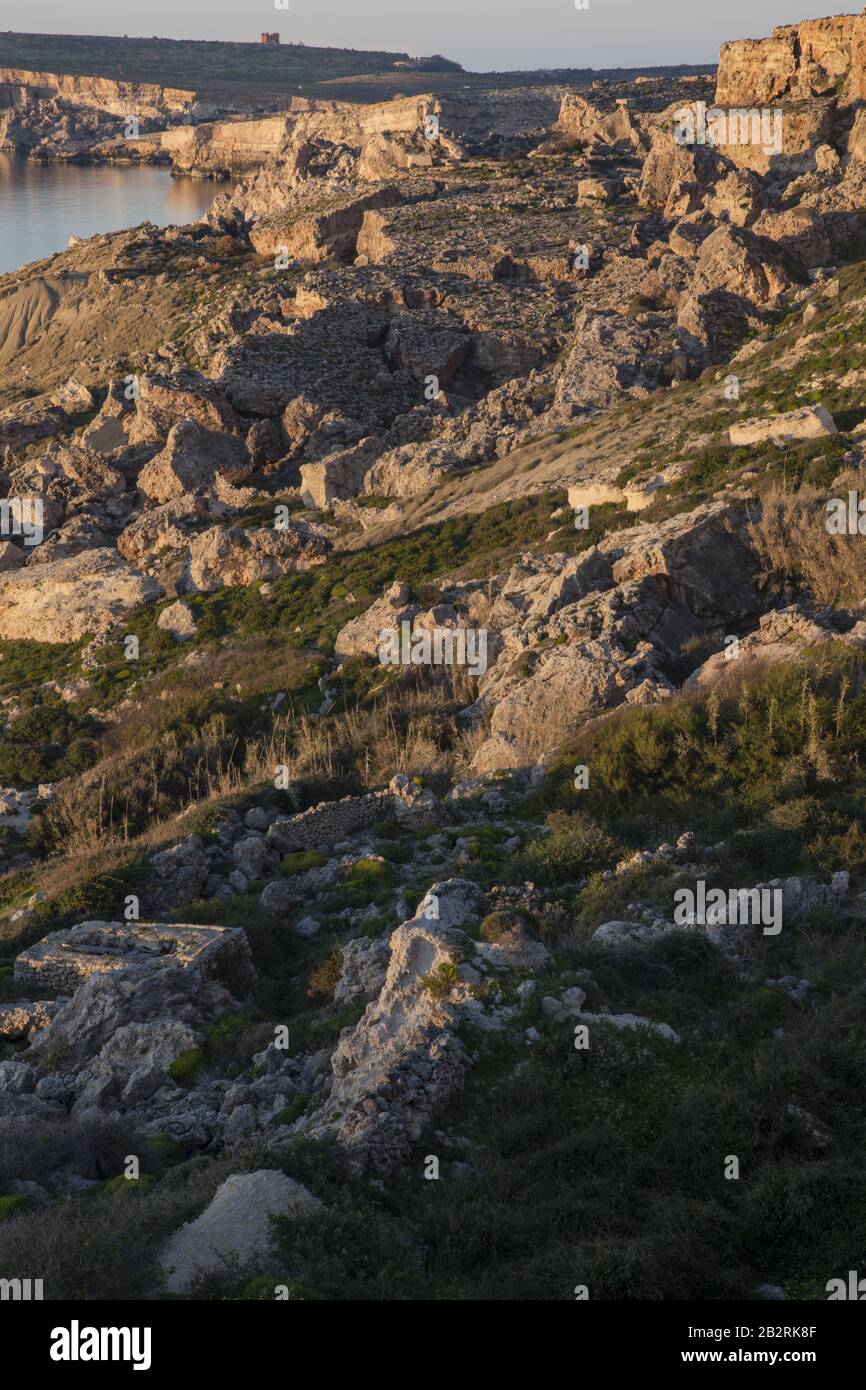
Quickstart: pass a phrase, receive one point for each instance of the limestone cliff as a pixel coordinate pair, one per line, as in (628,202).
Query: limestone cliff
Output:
(143,99)
(818,57)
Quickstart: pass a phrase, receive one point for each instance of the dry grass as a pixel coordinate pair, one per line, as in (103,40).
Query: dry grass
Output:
(794,545)
(105,1245)
(244,670)
(537,736)
(412,729)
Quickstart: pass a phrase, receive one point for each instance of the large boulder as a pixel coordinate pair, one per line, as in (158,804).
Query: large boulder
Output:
(106,1004)
(161,530)
(732,259)
(109,430)
(427,346)
(712,324)
(338,476)
(163,402)
(671,166)
(809,422)
(232,557)
(798,231)
(235,1229)
(705,556)
(331,234)
(87,474)
(569,684)
(63,600)
(581,122)
(190,461)
(361,636)
(411,468)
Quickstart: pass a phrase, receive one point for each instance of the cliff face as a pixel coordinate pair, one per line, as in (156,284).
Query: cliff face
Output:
(221,145)
(386,135)
(175,124)
(101,94)
(815,58)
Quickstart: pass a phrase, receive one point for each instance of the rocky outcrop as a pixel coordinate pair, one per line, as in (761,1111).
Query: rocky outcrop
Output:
(190,461)
(404,1059)
(363,972)
(783,635)
(331,234)
(161,531)
(235,557)
(582,122)
(102,93)
(235,1229)
(62,600)
(704,555)
(610,355)
(734,261)
(797,61)
(218,147)
(362,635)
(569,684)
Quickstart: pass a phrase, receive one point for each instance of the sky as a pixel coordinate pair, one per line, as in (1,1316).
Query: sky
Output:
(481,34)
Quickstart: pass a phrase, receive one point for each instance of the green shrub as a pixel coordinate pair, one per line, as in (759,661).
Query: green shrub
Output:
(186,1067)
(499,925)
(442,980)
(10,1205)
(395,853)
(369,881)
(575,846)
(289,1113)
(302,860)
(372,872)
(122,1186)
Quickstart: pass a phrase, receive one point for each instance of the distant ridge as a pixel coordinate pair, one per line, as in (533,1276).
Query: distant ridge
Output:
(258,76)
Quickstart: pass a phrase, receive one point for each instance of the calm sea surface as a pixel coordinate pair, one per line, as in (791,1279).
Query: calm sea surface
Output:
(43,205)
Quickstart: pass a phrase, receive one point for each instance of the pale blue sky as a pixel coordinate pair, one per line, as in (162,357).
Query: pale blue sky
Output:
(480,34)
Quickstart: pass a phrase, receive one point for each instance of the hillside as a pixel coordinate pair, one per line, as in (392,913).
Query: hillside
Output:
(258,76)
(208,66)
(433,695)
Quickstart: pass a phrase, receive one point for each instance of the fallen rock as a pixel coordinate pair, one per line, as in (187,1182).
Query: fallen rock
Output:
(179,620)
(235,557)
(63,600)
(809,422)
(189,462)
(235,1228)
